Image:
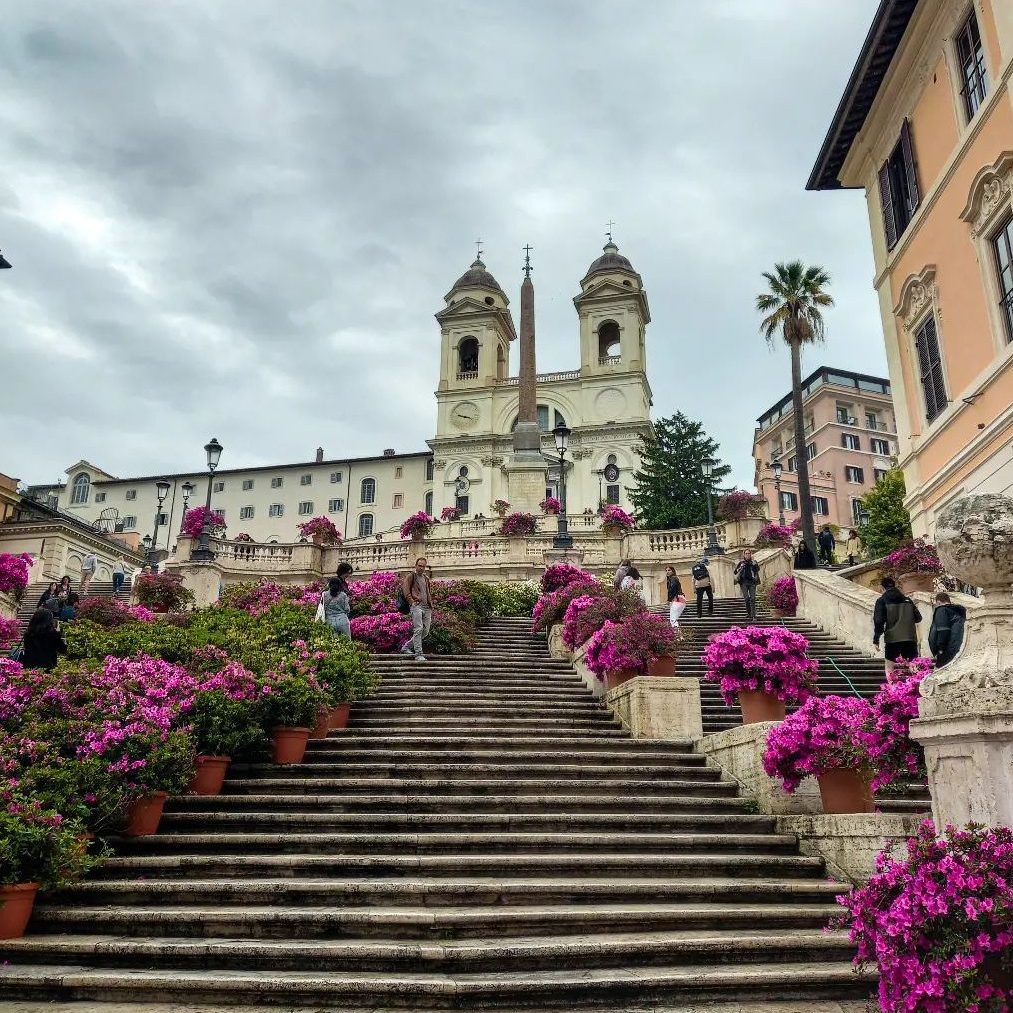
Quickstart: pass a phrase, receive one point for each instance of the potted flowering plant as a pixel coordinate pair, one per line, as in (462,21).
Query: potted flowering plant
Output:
(14,573)
(162,592)
(551,608)
(500,507)
(774,536)
(615,520)
(783,597)
(620,651)
(550,505)
(738,504)
(586,614)
(764,666)
(418,526)
(289,705)
(892,750)
(321,531)
(519,524)
(560,574)
(828,738)
(939,922)
(193,521)
(917,563)
(449,513)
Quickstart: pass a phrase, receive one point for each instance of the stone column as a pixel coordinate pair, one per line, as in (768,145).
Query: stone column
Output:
(965,721)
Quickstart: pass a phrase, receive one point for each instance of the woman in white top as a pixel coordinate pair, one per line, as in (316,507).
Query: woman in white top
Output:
(633,582)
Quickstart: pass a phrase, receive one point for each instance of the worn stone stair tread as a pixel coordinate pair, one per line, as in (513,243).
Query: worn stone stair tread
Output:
(477,770)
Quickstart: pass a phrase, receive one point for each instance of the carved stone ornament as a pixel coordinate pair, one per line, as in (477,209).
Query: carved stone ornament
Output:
(439,463)
(918,293)
(990,192)
(492,462)
(974,537)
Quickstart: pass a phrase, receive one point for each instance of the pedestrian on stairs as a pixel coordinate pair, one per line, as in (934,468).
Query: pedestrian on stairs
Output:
(415,587)
(119,574)
(747,576)
(43,643)
(621,572)
(703,586)
(826,542)
(68,599)
(88,567)
(895,619)
(676,599)
(854,547)
(634,582)
(49,594)
(947,631)
(337,607)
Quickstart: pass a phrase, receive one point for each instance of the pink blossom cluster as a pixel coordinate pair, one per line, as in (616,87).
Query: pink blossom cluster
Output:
(616,517)
(517,524)
(14,572)
(918,556)
(560,574)
(738,504)
(775,534)
(10,633)
(630,645)
(449,513)
(385,632)
(258,598)
(550,505)
(551,607)
(767,659)
(376,594)
(587,614)
(322,529)
(784,595)
(193,521)
(892,751)
(939,922)
(418,525)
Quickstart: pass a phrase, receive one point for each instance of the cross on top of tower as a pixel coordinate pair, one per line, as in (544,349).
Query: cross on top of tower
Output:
(478,249)
(609,225)
(527,260)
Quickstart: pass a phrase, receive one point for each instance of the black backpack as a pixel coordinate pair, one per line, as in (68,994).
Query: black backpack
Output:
(404,606)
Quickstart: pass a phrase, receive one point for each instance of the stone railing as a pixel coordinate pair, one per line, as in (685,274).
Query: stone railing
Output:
(571,374)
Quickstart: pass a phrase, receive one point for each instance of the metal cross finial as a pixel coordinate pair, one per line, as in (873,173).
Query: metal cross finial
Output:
(608,229)
(478,249)
(527,260)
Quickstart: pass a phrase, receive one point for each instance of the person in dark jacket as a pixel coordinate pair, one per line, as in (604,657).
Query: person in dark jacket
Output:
(44,642)
(804,558)
(895,620)
(747,576)
(703,585)
(676,599)
(826,541)
(947,631)
(50,592)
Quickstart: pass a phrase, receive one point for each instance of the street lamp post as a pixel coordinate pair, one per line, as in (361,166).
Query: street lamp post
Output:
(188,488)
(713,549)
(777,468)
(563,539)
(162,490)
(203,553)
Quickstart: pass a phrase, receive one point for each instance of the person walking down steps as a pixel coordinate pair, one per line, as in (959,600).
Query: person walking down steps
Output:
(676,599)
(415,591)
(747,576)
(895,620)
(703,586)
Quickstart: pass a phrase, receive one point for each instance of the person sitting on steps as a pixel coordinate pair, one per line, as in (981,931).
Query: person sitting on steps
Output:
(415,586)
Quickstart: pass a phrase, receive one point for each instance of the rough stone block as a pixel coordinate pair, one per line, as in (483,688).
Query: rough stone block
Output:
(850,843)
(204,579)
(657,707)
(557,648)
(739,753)
(587,676)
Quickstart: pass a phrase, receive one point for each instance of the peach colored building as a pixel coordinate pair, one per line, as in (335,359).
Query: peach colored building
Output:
(851,442)
(925,127)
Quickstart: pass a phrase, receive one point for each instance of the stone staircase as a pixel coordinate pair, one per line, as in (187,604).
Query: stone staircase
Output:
(484,835)
(99,588)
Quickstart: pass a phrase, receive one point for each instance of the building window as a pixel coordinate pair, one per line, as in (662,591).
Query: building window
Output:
(365,525)
(247,484)
(789,501)
(1003,247)
(973,73)
(793,463)
(367,494)
(430,469)
(163,519)
(305,508)
(131,494)
(129,522)
(335,506)
(879,474)
(543,419)
(463,505)
(853,474)
(100,497)
(898,188)
(277,482)
(612,495)
(429,504)
(218,487)
(398,471)
(850,441)
(246,513)
(305,479)
(881,447)
(871,420)
(821,505)
(776,450)
(79,490)
(398,500)
(335,477)
(844,416)
(276,510)
(221,513)
(467,358)
(930,366)
(810,451)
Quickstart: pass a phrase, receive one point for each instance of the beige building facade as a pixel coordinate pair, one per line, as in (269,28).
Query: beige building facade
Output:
(851,442)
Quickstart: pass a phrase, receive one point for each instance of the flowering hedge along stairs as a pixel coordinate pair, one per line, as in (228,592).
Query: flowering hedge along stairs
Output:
(484,835)
(98,589)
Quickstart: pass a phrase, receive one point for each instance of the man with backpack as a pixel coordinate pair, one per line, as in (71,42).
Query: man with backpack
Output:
(414,599)
(895,620)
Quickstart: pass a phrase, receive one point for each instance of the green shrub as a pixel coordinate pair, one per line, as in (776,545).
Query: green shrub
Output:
(221,726)
(449,634)
(514,599)
(292,701)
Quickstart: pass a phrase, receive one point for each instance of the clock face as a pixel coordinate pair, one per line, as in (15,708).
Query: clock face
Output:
(465,415)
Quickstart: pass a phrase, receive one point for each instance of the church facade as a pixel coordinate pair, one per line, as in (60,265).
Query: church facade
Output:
(605,403)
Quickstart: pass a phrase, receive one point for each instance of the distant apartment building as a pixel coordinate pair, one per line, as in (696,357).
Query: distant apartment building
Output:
(925,127)
(851,442)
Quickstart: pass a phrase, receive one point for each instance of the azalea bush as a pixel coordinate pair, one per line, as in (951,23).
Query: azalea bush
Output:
(765,659)
(938,922)
(193,521)
(826,733)
(110,612)
(500,507)
(631,645)
(550,505)
(518,524)
(614,518)
(774,535)
(14,573)
(290,700)
(587,614)
(560,574)
(419,525)
(918,556)
(375,594)
(551,607)
(164,591)
(10,633)
(514,599)
(322,530)
(386,632)
(738,504)
(783,595)
(892,751)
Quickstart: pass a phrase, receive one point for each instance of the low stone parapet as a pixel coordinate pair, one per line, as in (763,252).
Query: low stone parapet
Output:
(658,707)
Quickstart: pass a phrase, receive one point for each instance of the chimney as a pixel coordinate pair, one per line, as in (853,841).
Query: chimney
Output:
(389,452)
(320,455)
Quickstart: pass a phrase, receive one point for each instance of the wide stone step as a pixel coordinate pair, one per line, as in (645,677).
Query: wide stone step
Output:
(481,732)
(586,711)
(483,725)
(316,922)
(418,991)
(352,741)
(685,947)
(476,754)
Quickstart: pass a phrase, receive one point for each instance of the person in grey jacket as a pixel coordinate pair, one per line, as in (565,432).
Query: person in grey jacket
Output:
(947,631)
(747,576)
(337,606)
(895,620)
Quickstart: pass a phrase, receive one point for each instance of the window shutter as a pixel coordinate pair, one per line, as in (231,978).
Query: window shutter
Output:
(886,196)
(931,369)
(936,359)
(910,167)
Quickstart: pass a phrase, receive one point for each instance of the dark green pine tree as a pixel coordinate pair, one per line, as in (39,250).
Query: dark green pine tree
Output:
(671,491)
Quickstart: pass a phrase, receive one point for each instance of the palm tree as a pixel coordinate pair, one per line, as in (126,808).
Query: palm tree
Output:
(792,306)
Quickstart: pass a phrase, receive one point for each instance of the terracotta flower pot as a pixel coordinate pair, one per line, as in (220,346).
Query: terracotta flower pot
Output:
(757,706)
(144,814)
(288,745)
(16,903)
(209,775)
(661,666)
(339,715)
(613,679)
(323,725)
(845,791)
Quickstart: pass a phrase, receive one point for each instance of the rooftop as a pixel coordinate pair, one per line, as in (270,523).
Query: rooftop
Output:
(823,377)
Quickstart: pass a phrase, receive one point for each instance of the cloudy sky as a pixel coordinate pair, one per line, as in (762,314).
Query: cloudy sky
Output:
(237,217)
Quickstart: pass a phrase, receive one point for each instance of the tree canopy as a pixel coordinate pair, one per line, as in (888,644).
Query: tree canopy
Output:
(889,524)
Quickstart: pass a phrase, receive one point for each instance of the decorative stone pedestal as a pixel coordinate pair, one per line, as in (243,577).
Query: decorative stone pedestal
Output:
(739,753)
(965,719)
(658,707)
(204,579)
(557,649)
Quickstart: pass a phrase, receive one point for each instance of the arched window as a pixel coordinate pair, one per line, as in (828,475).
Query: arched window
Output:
(367,492)
(80,489)
(608,341)
(429,503)
(365,525)
(430,469)
(544,415)
(467,357)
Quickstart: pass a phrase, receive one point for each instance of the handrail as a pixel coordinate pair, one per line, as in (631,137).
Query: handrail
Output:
(844,675)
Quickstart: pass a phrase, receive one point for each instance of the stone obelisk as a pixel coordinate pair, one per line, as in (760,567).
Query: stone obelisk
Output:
(527,468)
